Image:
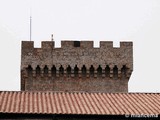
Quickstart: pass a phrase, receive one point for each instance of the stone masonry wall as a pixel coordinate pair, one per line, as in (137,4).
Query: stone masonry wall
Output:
(76,66)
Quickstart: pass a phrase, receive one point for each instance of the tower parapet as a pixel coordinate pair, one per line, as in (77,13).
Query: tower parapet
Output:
(76,66)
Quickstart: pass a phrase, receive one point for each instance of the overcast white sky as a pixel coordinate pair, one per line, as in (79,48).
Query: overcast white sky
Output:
(116,20)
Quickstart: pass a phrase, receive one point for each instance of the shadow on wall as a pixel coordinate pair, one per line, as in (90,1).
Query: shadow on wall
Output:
(76,72)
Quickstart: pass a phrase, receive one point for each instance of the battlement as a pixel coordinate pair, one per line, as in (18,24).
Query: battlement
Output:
(77,60)
(77,53)
(74,44)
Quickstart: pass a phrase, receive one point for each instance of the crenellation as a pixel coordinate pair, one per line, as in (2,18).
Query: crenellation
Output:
(49,45)
(70,44)
(106,44)
(27,47)
(67,44)
(126,44)
(91,66)
(76,44)
(86,44)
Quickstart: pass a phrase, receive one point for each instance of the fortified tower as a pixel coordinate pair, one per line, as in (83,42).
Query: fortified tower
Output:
(76,66)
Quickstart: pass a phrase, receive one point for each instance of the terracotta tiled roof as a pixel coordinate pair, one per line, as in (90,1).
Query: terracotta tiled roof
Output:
(79,103)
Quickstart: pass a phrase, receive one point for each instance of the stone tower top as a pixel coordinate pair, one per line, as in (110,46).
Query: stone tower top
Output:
(73,56)
(77,53)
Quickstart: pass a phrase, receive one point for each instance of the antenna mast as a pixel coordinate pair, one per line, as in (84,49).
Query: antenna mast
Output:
(30,28)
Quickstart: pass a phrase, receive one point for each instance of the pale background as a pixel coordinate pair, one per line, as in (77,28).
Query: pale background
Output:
(116,20)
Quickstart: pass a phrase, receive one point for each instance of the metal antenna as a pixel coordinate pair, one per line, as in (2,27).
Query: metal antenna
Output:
(30,25)
(30,28)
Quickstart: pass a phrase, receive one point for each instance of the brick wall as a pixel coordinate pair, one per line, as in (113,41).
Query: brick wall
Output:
(107,69)
(90,84)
